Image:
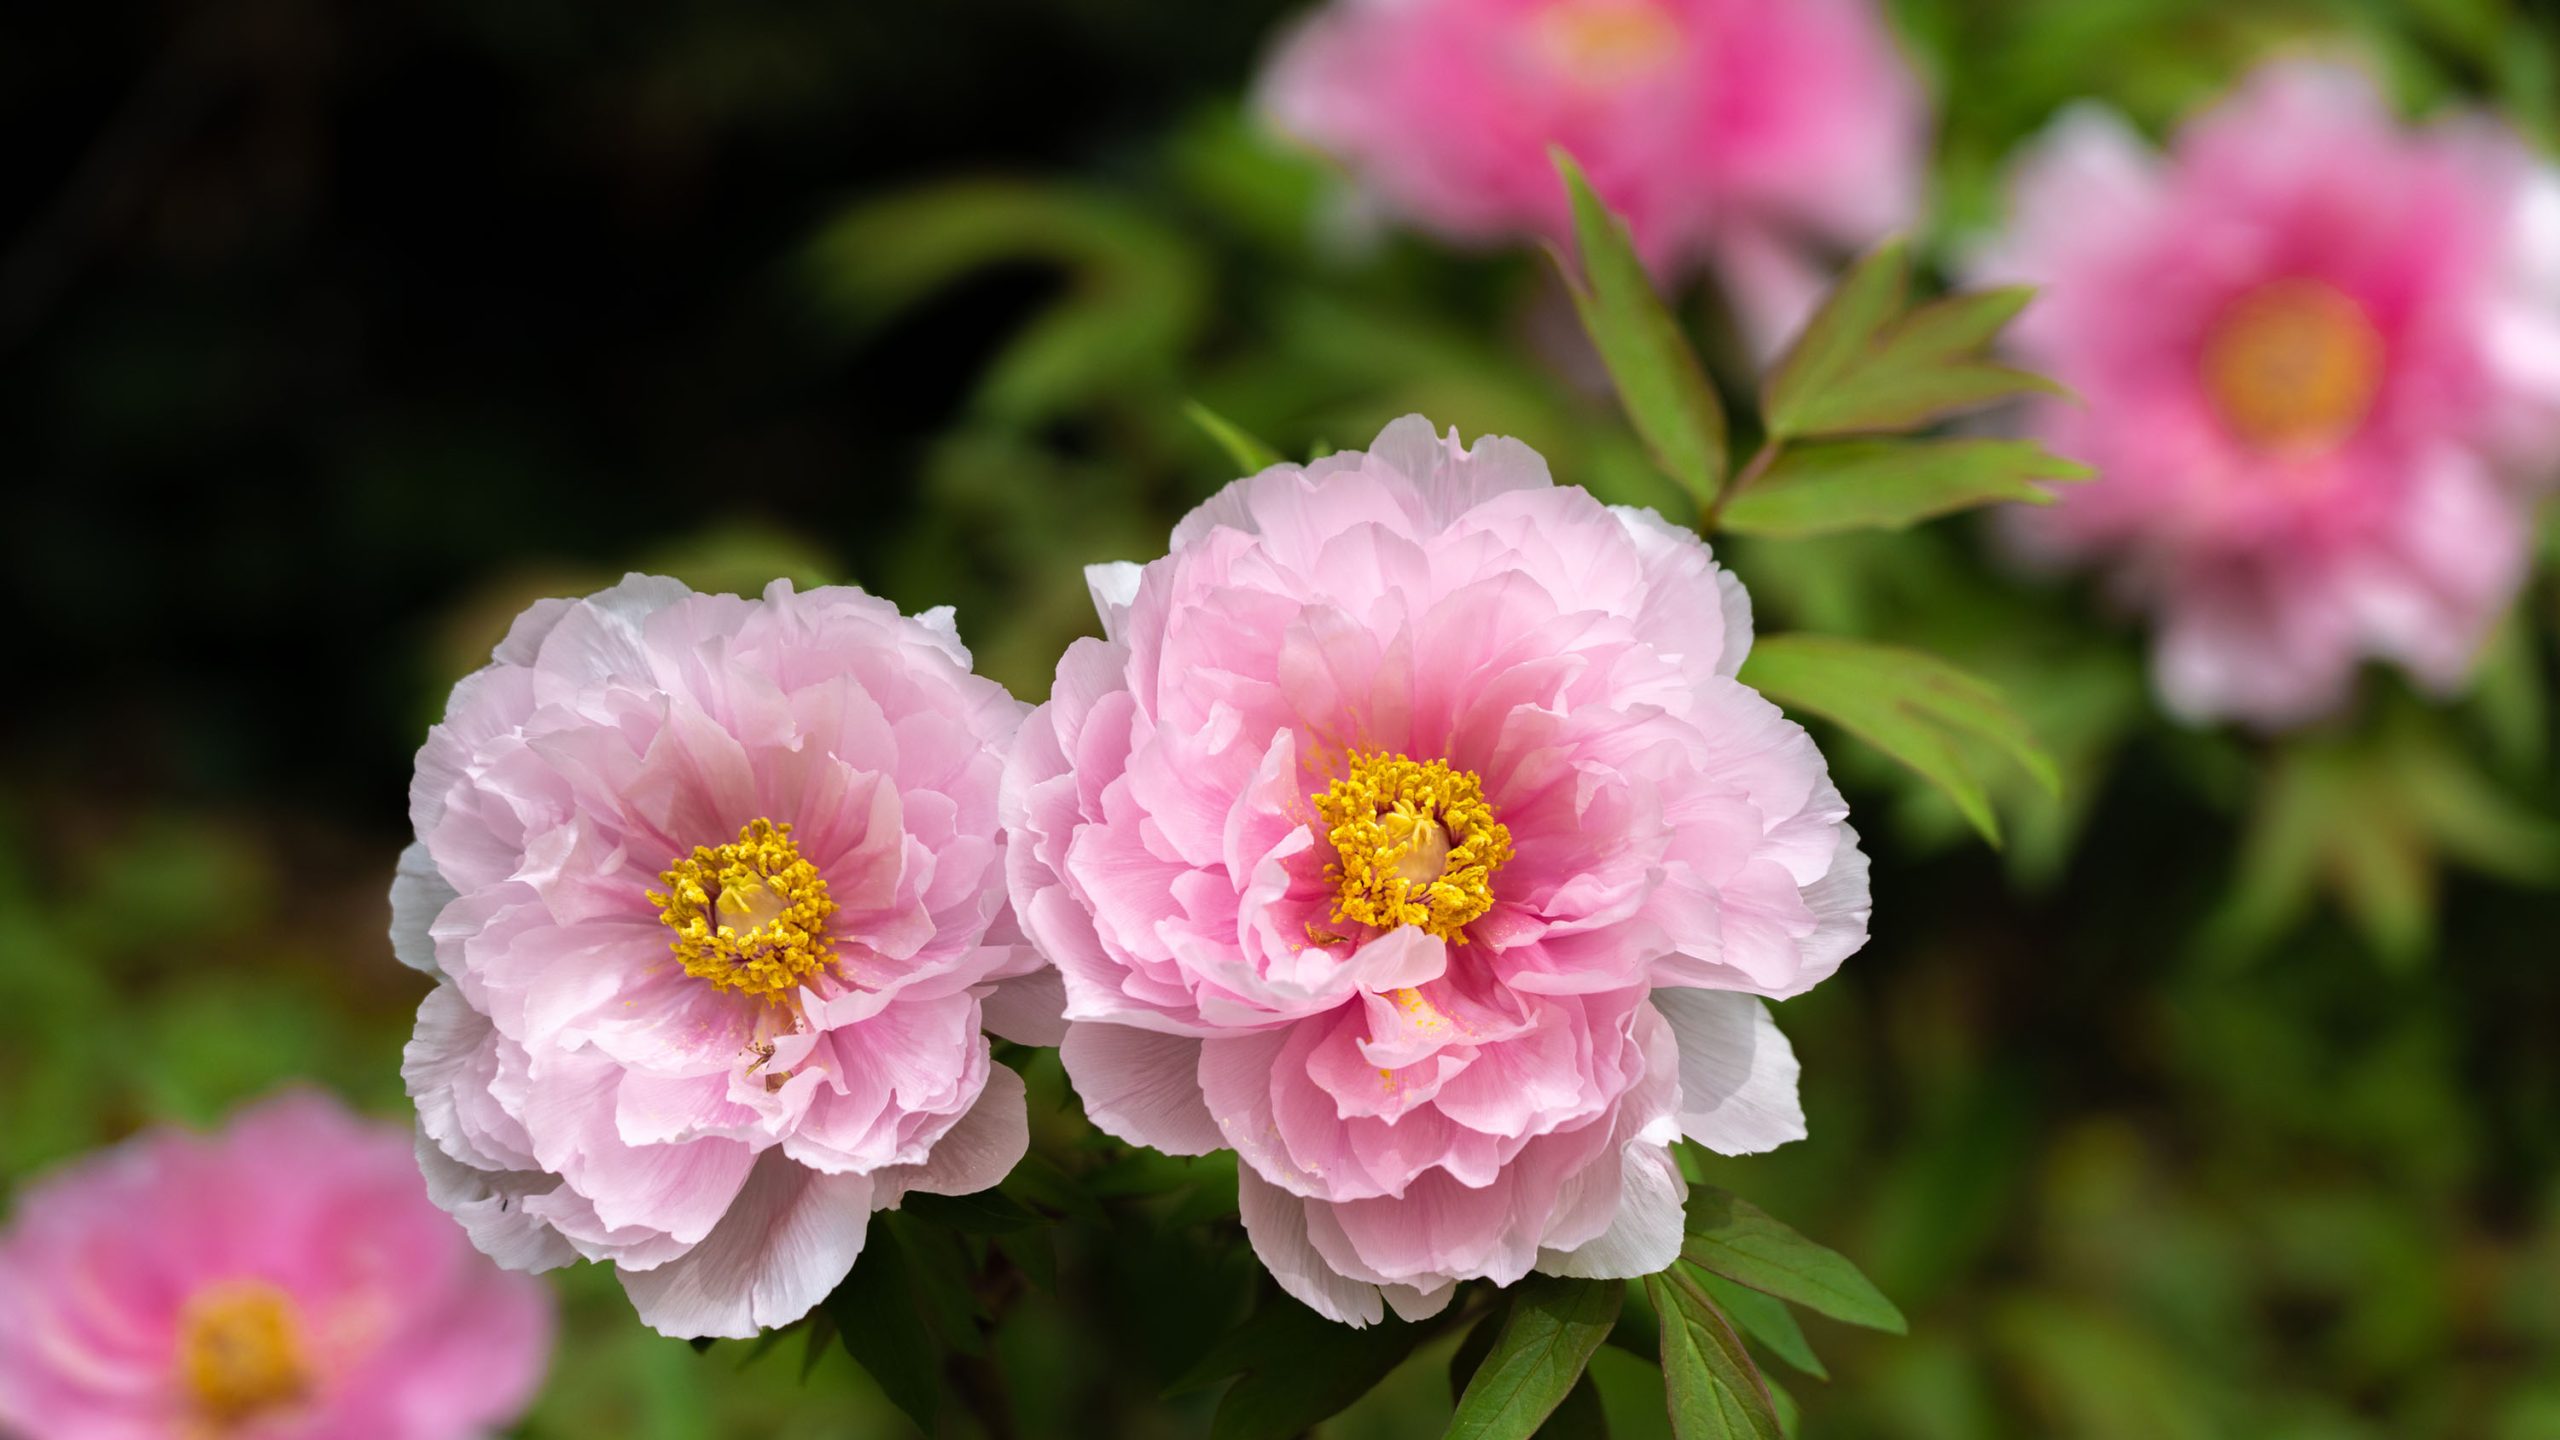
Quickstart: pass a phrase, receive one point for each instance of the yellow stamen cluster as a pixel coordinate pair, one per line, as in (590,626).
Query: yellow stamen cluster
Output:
(1414,844)
(1604,44)
(240,1352)
(2293,366)
(749,916)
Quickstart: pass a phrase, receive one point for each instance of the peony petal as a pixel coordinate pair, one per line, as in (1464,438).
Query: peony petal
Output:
(1141,1086)
(790,1237)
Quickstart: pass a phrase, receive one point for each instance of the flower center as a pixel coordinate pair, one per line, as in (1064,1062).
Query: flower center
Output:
(1414,844)
(240,1351)
(749,916)
(1603,44)
(2293,366)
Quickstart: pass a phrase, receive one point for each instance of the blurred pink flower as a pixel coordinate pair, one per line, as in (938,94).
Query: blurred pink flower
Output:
(2318,356)
(715,890)
(1744,134)
(1410,836)
(285,1278)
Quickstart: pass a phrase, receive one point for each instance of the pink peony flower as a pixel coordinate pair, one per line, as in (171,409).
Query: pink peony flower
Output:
(2317,352)
(1742,133)
(1410,836)
(715,891)
(283,1280)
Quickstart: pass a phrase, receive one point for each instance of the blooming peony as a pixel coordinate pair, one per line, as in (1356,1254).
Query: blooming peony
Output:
(714,888)
(2317,352)
(1736,132)
(1410,836)
(285,1280)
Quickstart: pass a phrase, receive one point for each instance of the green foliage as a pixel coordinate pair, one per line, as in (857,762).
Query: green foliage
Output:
(1550,1328)
(1249,454)
(1731,1237)
(1766,1319)
(1659,379)
(875,1312)
(1714,1389)
(2372,818)
(1822,488)
(1135,291)
(1867,365)
(1293,1368)
(1916,708)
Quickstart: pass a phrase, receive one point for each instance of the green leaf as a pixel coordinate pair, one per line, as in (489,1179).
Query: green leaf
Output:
(1822,488)
(1714,1390)
(1731,1237)
(1469,1356)
(1768,1320)
(1249,454)
(1860,368)
(1913,707)
(875,1312)
(1295,1368)
(941,1275)
(988,1212)
(1660,383)
(1828,347)
(1582,1416)
(1547,1338)
(1136,291)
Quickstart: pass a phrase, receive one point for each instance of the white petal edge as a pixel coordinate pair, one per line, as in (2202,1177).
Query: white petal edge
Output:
(489,1207)
(1737,1071)
(1141,1086)
(1276,1222)
(418,895)
(1645,1236)
(789,1238)
(974,1154)
(1028,1009)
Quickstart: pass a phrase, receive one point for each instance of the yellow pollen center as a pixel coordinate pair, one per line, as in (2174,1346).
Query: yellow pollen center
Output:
(749,916)
(1603,44)
(1414,844)
(2293,366)
(240,1351)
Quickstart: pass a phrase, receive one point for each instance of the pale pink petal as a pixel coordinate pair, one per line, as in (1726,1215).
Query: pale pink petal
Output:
(789,1238)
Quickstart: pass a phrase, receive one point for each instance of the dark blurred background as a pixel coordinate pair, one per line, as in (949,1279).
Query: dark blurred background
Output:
(331,334)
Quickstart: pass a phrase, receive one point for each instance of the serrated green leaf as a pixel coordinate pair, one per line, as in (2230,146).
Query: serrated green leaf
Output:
(1911,706)
(1547,1337)
(875,1314)
(1767,1319)
(1660,383)
(1713,1388)
(1825,487)
(1250,455)
(1731,1237)
(1862,369)
(1294,1368)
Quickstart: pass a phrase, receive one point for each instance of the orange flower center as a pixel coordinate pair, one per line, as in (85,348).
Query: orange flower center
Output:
(2293,366)
(1604,44)
(240,1352)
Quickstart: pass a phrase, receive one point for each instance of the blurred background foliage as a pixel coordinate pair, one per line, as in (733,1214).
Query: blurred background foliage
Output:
(2224,1102)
